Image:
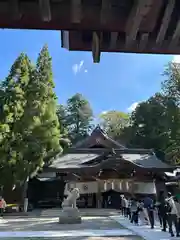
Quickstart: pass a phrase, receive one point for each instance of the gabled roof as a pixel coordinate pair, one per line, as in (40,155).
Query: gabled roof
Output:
(78,159)
(146,160)
(73,160)
(99,137)
(98,151)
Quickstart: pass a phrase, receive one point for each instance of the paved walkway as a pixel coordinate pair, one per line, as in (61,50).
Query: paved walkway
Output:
(51,223)
(47,227)
(63,234)
(92,227)
(144,230)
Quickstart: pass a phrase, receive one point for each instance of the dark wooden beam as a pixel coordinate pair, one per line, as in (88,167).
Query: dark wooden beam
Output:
(45,10)
(165,22)
(139,11)
(113,41)
(105,11)
(14,8)
(143,41)
(77,176)
(149,23)
(176,35)
(96,178)
(76,11)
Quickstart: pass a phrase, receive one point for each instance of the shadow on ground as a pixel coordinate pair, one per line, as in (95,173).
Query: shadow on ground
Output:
(46,224)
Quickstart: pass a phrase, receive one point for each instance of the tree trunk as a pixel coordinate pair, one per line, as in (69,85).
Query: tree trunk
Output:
(1,190)
(24,195)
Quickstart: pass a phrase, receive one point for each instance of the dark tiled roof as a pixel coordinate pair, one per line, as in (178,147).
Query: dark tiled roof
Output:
(149,161)
(96,134)
(102,159)
(72,160)
(113,151)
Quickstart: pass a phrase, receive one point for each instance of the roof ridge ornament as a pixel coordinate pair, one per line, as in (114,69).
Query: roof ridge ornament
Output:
(98,127)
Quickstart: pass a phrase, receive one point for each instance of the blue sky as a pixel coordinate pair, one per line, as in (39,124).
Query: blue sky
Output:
(115,84)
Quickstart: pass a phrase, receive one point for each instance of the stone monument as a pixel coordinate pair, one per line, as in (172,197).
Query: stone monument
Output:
(70,213)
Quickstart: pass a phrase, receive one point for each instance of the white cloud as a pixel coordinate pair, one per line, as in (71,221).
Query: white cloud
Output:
(86,71)
(104,112)
(176,59)
(132,107)
(77,67)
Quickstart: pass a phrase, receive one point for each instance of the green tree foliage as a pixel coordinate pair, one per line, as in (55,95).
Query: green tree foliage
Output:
(48,124)
(113,122)
(171,88)
(79,116)
(13,102)
(29,117)
(171,85)
(149,123)
(156,122)
(62,118)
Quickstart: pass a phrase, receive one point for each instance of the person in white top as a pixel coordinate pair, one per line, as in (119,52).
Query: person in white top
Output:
(126,206)
(172,215)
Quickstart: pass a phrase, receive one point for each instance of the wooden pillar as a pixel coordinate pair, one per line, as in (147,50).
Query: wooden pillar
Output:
(98,195)
(160,186)
(96,46)
(45,10)
(14,8)
(76,11)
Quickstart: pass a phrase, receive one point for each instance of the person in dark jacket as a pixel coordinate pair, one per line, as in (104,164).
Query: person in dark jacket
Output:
(149,206)
(163,211)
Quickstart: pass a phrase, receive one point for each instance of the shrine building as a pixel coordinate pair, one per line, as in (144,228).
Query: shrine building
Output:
(99,167)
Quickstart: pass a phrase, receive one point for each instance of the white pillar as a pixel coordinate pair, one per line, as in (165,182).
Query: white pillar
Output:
(113,185)
(105,186)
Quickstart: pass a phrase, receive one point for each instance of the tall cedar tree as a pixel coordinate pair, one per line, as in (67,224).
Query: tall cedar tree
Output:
(40,122)
(79,117)
(62,118)
(49,129)
(29,115)
(12,104)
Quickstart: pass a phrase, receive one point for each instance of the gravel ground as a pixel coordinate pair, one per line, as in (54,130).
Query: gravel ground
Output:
(48,221)
(46,224)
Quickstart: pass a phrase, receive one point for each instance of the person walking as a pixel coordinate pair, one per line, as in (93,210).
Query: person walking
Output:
(2,206)
(178,215)
(134,211)
(123,205)
(172,215)
(126,207)
(162,211)
(140,210)
(149,207)
(129,209)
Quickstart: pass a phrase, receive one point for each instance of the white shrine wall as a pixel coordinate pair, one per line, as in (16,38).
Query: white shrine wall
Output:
(115,184)
(146,188)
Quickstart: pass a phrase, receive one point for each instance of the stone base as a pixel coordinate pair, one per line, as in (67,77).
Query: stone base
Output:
(70,216)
